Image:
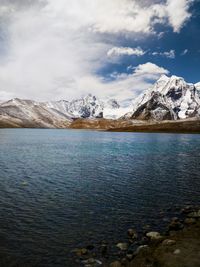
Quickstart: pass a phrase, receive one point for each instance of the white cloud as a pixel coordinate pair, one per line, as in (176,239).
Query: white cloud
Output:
(120,51)
(130,85)
(150,68)
(184,52)
(168,54)
(178,13)
(54,48)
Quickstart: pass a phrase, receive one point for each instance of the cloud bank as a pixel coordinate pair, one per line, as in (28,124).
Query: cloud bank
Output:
(54,49)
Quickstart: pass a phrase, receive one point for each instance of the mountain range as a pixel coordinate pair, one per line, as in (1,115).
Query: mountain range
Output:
(170,98)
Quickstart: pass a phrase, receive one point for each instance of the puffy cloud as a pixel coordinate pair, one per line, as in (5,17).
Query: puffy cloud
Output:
(150,68)
(178,13)
(120,51)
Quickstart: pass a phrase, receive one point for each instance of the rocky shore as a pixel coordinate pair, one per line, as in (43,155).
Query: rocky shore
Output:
(191,125)
(179,126)
(177,246)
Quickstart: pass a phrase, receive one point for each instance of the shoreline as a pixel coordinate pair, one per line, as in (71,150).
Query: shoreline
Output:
(189,126)
(177,246)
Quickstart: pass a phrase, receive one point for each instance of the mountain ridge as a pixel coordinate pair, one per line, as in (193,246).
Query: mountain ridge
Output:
(170,98)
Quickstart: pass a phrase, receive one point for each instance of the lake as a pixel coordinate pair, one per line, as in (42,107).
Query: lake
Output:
(63,189)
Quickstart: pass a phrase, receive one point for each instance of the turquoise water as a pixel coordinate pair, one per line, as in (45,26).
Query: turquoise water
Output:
(62,189)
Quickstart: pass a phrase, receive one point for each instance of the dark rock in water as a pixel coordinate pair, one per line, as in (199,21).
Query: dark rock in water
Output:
(116,264)
(144,241)
(80,252)
(132,233)
(175,219)
(90,247)
(92,262)
(129,256)
(166,219)
(104,250)
(190,221)
(187,209)
(131,241)
(195,214)
(175,225)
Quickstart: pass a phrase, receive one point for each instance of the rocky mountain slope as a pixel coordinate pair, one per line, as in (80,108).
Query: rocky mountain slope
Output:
(170,98)
(27,113)
(56,114)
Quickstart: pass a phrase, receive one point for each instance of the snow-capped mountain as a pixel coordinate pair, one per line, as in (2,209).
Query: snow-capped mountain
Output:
(170,98)
(28,113)
(88,107)
(57,113)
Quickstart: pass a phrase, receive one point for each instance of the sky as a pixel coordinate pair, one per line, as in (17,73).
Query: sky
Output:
(65,49)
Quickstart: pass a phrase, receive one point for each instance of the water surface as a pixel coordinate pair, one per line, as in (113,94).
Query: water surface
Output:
(62,189)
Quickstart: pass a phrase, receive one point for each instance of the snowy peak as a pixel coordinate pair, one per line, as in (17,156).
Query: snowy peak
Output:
(86,107)
(18,102)
(169,98)
(92,107)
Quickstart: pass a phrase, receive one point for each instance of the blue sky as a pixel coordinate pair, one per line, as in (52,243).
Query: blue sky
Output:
(186,46)
(51,50)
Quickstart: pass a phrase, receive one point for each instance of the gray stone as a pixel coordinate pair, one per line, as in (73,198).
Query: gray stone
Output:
(132,233)
(141,248)
(195,214)
(154,235)
(177,252)
(122,246)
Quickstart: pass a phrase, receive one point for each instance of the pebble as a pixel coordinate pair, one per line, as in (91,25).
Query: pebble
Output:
(92,262)
(195,214)
(154,235)
(122,246)
(168,242)
(175,225)
(177,251)
(80,251)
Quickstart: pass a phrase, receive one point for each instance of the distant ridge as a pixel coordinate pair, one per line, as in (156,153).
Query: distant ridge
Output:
(170,98)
